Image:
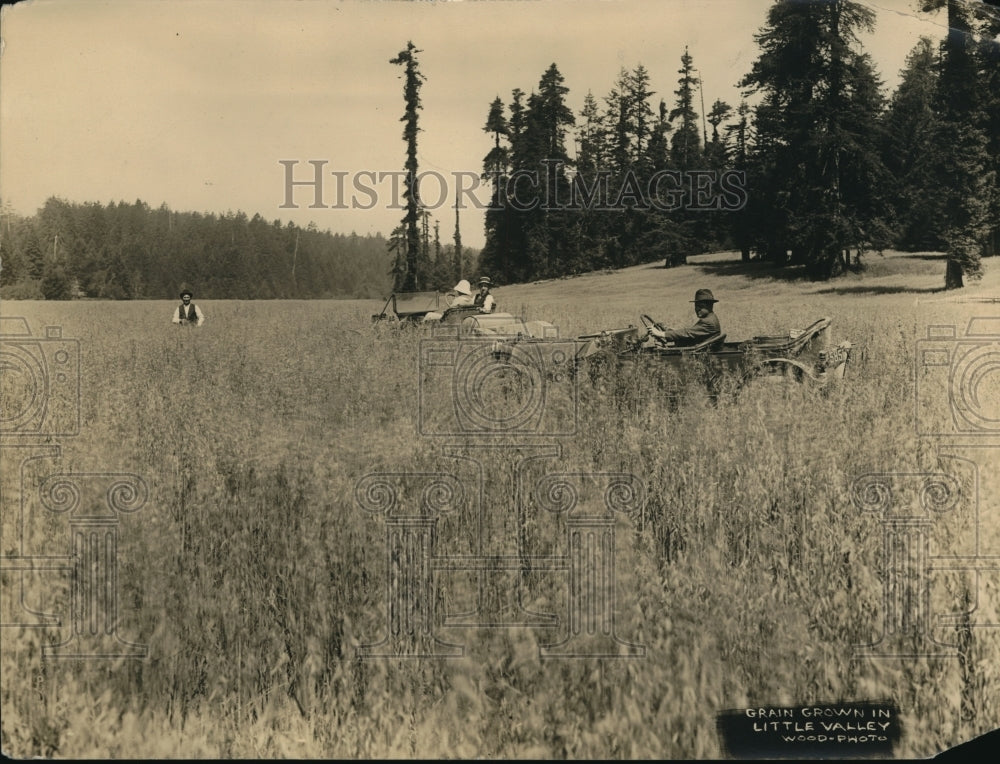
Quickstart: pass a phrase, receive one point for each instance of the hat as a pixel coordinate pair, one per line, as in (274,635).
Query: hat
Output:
(485,280)
(704,295)
(186,291)
(463,287)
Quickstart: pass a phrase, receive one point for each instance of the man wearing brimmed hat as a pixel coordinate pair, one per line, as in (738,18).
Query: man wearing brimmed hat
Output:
(187,312)
(707,325)
(484,300)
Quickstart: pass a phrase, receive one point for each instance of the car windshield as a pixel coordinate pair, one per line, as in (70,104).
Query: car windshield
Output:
(417,302)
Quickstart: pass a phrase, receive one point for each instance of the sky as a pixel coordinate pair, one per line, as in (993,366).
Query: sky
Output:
(213,105)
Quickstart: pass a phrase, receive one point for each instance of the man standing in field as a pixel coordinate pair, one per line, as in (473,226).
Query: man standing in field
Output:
(484,300)
(707,325)
(187,312)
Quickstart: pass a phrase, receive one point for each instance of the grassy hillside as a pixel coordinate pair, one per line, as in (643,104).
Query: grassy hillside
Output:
(256,572)
(898,279)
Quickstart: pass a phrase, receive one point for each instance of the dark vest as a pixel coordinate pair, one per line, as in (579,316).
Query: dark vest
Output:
(480,299)
(191,315)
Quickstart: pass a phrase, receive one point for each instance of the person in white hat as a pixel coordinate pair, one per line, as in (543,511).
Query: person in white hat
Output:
(463,295)
(187,312)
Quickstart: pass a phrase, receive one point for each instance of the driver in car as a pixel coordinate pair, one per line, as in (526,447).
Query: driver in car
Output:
(707,325)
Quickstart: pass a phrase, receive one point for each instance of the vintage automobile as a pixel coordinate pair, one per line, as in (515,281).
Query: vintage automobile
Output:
(424,310)
(805,355)
(409,308)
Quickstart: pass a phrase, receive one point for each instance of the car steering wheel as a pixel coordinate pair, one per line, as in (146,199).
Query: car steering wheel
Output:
(648,322)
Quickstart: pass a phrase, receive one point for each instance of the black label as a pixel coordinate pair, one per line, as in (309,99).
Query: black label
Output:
(839,730)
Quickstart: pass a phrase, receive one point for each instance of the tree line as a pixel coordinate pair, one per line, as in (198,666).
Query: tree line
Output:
(814,167)
(131,251)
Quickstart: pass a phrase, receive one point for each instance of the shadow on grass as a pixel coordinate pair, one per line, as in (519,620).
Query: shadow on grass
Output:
(765,269)
(756,269)
(661,265)
(879,290)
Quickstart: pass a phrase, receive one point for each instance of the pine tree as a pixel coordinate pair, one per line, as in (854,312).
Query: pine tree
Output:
(34,254)
(686,154)
(411,95)
(630,126)
(496,254)
(642,119)
(526,234)
(658,150)
(737,137)
(685,144)
(964,146)
(591,138)
(550,116)
(988,55)
(496,161)
(56,284)
(715,151)
(551,243)
(913,155)
(814,157)
(590,185)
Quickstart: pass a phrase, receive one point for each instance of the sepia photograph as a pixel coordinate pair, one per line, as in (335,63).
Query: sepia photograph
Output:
(500,379)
